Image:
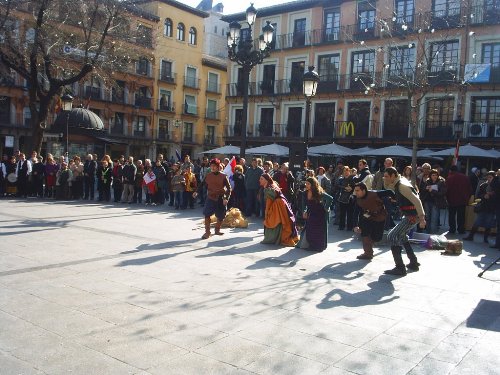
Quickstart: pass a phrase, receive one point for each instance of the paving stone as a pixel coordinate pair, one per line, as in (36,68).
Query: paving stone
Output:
(13,366)
(367,362)
(408,350)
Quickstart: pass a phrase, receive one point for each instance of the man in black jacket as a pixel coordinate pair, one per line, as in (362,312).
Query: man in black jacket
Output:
(89,169)
(495,189)
(129,171)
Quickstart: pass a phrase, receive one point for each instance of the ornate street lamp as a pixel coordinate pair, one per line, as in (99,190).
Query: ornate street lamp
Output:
(67,106)
(243,52)
(310,84)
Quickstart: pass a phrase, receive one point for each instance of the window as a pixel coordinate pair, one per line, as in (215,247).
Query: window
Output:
(266,122)
(163,129)
(211,109)
(191,80)
(192,36)
(213,82)
(328,68)
(142,98)
(187,135)
(332,25)
(180,31)
(144,36)
(491,55)
(445,8)
(140,126)
(401,63)
(5,109)
(142,66)
(362,69)
(324,117)
(268,79)
(27,116)
(117,126)
(439,117)
(190,105)
(118,92)
(238,121)
(404,13)
(166,71)
(210,135)
(395,110)
(443,61)
(297,76)
(299,32)
(486,110)
(93,89)
(359,114)
(366,17)
(167,27)
(165,103)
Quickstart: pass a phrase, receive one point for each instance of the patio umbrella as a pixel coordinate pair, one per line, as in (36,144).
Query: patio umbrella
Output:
(467,151)
(362,151)
(224,150)
(495,152)
(330,149)
(390,151)
(425,153)
(272,149)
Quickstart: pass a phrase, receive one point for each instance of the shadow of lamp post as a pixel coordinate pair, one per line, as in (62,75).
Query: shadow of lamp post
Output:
(243,52)
(310,84)
(67,106)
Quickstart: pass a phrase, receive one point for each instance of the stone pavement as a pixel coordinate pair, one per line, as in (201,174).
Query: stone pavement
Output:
(119,289)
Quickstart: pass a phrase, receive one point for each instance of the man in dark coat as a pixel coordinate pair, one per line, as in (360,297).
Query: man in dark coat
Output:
(458,194)
(89,169)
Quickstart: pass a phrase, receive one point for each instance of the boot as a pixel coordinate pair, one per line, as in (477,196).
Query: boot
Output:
(486,235)
(413,265)
(470,237)
(217,228)
(207,229)
(367,248)
(400,269)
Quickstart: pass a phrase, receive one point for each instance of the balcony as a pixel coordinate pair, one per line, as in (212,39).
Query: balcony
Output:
(442,76)
(164,134)
(445,19)
(470,130)
(209,140)
(192,82)
(212,115)
(92,93)
(189,137)
(168,78)
(142,102)
(349,129)
(486,15)
(166,106)
(213,87)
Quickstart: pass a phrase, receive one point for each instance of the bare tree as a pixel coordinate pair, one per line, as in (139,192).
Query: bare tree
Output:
(419,56)
(55,43)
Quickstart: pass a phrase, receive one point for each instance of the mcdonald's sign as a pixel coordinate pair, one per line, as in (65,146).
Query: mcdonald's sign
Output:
(345,127)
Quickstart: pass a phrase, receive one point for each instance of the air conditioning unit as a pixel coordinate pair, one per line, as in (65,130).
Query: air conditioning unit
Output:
(497,131)
(478,130)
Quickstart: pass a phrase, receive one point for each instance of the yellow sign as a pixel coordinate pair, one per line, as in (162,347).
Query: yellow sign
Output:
(345,127)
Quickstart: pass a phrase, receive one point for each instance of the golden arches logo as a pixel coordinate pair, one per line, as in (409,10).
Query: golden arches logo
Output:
(345,127)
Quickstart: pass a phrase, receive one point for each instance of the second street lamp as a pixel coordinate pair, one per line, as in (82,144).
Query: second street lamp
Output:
(310,84)
(67,106)
(242,50)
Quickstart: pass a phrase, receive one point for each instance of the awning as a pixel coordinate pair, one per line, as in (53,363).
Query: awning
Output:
(111,141)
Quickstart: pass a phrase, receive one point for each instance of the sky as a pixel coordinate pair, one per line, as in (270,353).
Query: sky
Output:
(236,6)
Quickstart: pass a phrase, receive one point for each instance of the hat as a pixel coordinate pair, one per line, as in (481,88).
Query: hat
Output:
(474,170)
(215,161)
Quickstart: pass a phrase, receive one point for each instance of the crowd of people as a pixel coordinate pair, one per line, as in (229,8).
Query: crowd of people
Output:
(354,197)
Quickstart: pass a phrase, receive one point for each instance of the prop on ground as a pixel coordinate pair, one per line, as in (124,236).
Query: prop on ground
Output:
(233,219)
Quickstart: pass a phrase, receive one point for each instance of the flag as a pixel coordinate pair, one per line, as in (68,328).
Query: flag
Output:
(87,105)
(178,155)
(229,171)
(457,150)
(150,182)
(58,105)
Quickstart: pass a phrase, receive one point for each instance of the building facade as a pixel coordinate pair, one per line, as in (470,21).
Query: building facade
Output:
(378,61)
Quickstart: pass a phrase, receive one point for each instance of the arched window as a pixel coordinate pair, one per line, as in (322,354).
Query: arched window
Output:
(192,36)
(167,27)
(180,32)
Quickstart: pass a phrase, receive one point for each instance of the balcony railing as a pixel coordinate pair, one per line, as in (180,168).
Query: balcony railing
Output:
(351,129)
(192,82)
(166,106)
(142,102)
(469,130)
(212,115)
(486,14)
(165,134)
(92,92)
(209,140)
(168,78)
(189,137)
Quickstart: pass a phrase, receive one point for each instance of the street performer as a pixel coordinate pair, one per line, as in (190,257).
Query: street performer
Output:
(218,193)
(372,218)
(412,211)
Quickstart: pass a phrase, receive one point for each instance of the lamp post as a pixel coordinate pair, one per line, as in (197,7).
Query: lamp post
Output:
(310,84)
(67,104)
(243,52)
(177,125)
